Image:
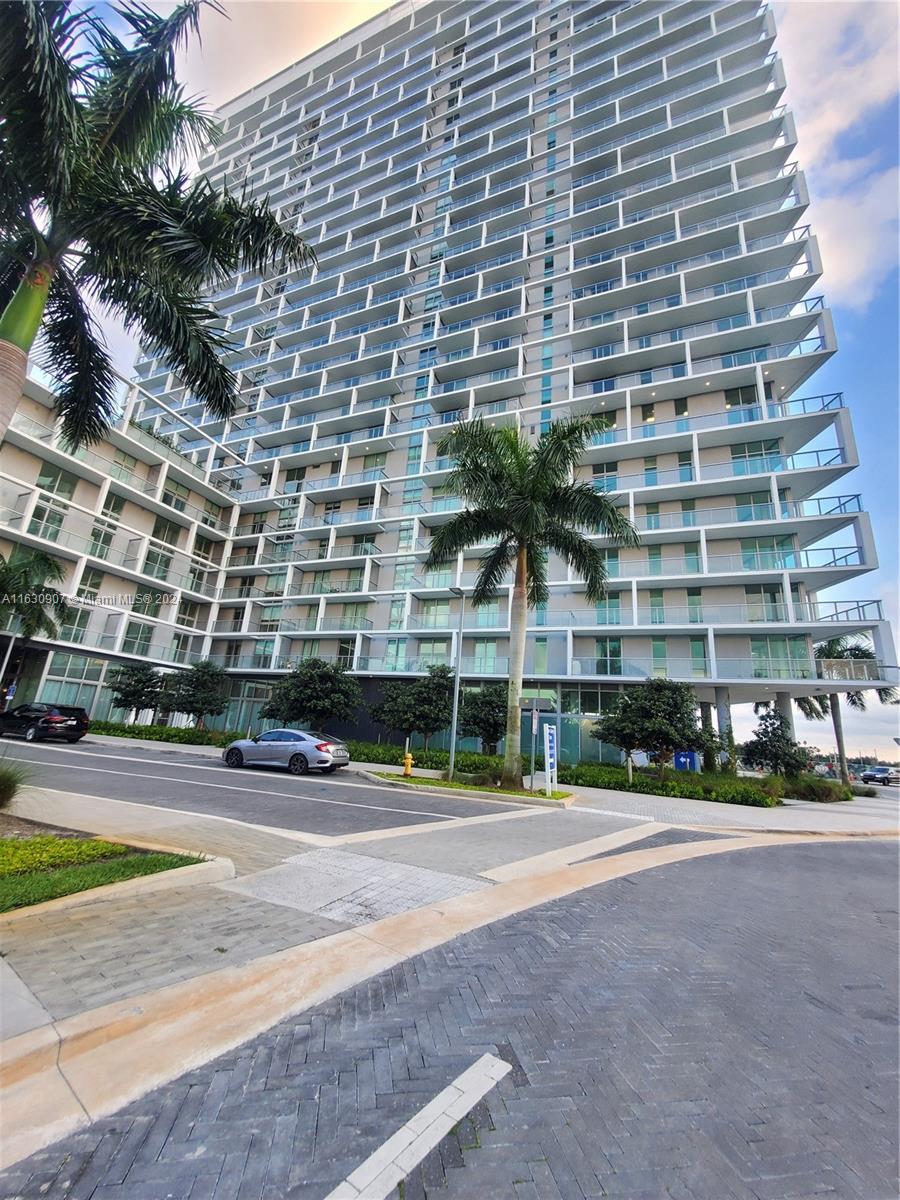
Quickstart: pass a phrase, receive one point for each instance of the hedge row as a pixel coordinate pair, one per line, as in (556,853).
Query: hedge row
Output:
(167,733)
(726,789)
(467,761)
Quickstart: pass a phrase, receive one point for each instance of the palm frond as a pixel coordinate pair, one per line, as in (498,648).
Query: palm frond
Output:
(137,79)
(177,127)
(583,556)
(814,708)
(492,571)
(73,352)
(468,528)
(580,505)
(43,123)
(536,574)
(183,328)
(488,462)
(14,258)
(178,232)
(256,237)
(560,449)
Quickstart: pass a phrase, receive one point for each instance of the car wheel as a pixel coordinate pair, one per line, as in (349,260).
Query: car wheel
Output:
(31,734)
(72,741)
(234,758)
(329,770)
(298,765)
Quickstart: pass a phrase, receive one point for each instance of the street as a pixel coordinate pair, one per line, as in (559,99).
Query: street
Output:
(330,805)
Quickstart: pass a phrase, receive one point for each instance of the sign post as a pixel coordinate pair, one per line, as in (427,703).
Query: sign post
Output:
(535,705)
(550,762)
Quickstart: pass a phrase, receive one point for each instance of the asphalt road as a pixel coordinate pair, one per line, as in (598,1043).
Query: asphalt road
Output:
(331,805)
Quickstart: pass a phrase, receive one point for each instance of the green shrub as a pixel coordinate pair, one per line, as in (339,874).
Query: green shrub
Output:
(814,787)
(34,887)
(12,778)
(726,789)
(18,856)
(467,761)
(167,733)
(862,789)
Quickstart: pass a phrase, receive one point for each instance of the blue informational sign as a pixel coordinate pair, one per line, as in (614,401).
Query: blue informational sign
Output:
(550,757)
(685,760)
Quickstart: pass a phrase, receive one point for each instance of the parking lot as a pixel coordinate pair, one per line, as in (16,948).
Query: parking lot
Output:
(332,805)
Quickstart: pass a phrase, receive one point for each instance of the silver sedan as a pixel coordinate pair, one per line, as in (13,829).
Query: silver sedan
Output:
(298,752)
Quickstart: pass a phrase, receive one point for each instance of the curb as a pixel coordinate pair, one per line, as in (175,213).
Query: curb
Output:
(62,1076)
(470,793)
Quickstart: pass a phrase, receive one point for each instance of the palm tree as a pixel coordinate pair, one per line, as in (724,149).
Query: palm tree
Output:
(97,210)
(817,708)
(28,606)
(522,498)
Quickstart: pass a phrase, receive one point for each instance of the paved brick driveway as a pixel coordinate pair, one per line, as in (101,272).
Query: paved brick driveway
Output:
(721,1029)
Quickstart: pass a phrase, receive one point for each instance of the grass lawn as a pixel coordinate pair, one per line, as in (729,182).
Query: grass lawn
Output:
(46,867)
(467,787)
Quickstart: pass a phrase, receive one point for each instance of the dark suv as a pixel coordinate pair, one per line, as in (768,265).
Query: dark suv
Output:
(35,722)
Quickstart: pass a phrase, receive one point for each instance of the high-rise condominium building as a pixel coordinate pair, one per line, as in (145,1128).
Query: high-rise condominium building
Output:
(521,212)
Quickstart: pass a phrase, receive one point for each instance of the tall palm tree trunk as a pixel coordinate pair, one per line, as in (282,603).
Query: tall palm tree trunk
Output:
(19,325)
(512,759)
(13,363)
(834,702)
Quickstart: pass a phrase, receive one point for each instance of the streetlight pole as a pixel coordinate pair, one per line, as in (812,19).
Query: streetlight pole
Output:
(459,640)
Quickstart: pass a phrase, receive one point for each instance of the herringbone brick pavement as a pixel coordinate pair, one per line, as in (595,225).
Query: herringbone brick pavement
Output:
(720,1029)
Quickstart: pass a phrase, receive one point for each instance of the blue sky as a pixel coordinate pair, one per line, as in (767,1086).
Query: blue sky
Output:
(841,62)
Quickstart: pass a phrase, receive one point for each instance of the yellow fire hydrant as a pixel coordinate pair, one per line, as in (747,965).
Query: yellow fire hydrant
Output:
(407,764)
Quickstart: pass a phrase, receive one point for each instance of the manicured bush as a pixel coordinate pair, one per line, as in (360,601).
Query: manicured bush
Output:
(467,761)
(34,887)
(21,855)
(167,733)
(862,789)
(814,787)
(726,789)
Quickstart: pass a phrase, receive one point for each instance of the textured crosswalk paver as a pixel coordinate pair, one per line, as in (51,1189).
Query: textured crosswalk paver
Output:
(718,1029)
(352,889)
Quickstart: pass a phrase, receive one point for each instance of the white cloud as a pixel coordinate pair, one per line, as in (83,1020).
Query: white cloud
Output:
(841,61)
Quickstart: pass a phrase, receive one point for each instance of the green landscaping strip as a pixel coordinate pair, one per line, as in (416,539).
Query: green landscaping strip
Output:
(19,856)
(468,787)
(19,891)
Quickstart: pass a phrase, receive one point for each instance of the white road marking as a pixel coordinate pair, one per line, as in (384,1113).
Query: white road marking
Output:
(377,1177)
(416,812)
(368,787)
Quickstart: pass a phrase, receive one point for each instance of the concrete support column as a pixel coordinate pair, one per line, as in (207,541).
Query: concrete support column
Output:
(723,709)
(785,707)
(723,719)
(706,721)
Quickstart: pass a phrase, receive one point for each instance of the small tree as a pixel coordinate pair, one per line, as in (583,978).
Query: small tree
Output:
(658,717)
(423,706)
(773,749)
(201,691)
(314,693)
(484,715)
(136,686)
